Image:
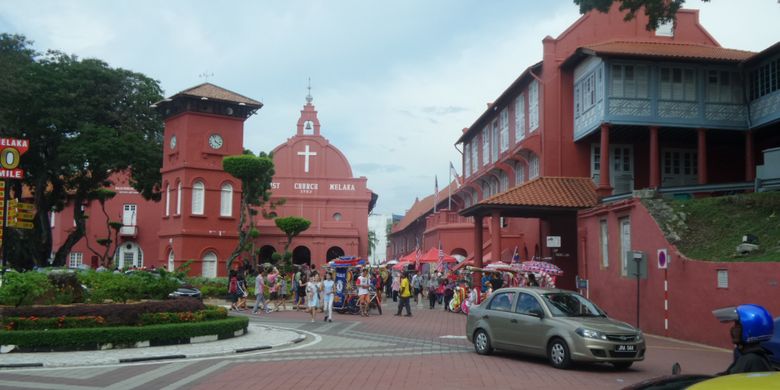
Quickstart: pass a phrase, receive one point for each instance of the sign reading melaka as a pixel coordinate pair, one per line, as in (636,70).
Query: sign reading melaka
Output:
(10,150)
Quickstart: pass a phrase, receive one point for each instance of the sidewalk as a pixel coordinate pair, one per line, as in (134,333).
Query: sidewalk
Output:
(258,337)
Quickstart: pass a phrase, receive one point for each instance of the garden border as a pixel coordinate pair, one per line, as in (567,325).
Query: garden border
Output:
(86,339)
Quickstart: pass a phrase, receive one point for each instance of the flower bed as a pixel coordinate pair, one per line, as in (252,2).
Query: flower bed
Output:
(112,314)
(120,336)
(63,322)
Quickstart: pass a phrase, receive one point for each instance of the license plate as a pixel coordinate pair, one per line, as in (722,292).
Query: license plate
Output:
(625,348)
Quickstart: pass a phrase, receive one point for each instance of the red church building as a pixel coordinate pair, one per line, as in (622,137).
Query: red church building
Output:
(197,216)
(554,166)
(316,182)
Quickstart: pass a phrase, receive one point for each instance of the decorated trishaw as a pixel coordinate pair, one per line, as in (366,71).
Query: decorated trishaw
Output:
(345,272)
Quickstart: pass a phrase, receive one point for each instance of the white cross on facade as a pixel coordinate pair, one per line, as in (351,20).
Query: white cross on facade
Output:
(306,154)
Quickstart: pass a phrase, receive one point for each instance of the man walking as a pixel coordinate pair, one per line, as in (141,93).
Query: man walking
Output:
(405,294)
(260,292)
(417,285)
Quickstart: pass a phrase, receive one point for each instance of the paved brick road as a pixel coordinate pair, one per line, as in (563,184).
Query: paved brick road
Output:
(427,351)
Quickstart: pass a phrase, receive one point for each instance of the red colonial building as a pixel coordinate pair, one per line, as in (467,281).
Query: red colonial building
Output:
(553,165)
(197,216)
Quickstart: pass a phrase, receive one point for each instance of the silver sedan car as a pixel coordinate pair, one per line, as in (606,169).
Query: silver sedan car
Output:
(559,324)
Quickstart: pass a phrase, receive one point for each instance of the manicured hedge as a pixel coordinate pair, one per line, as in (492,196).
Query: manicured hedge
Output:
(81,338)
(112,313)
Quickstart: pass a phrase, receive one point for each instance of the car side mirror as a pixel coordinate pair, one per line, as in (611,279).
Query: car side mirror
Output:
(536,313)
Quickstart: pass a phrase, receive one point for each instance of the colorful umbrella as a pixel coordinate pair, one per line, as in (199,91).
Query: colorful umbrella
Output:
(539,266)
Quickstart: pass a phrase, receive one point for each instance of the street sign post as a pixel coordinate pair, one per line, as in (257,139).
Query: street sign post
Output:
(11,150)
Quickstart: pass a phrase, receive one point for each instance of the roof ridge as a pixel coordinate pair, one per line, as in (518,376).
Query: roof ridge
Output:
(666,43)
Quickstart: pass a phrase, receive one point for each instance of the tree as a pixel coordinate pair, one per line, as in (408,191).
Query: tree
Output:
(112,229)
(292,227)
(85,121)
(658,11)
(255,174)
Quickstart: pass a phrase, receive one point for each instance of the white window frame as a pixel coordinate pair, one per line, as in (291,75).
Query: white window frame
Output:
(211,258)
(75,259)
(226,200)
(624,246)
(198,197)
(467,159)
(519,173)
(533,106)
(503,122)
(503,181)
(178,199)
(717,92)
(474,156)
(533,167)
(129,214)
(52,216)
(629,81)
(171,261)
(167,200)
(683,90)
(520,118)
(494,141)
(486,145)
(604,242)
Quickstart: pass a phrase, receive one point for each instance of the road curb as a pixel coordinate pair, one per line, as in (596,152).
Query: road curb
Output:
(255,348)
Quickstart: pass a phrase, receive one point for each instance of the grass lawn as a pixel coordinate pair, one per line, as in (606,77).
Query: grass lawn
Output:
(716,226)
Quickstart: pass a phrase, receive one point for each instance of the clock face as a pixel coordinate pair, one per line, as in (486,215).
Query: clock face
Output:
(173,142)
(215,141)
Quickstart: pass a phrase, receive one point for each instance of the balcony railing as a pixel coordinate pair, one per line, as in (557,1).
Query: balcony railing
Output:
(441,218)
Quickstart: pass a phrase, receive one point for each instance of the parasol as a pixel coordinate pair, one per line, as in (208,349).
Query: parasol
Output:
(539,266)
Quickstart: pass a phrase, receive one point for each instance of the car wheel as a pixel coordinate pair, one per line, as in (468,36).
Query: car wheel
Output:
(558,353)
(482,343)
(622,365)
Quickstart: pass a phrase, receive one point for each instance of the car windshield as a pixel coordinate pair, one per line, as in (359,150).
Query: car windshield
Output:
(563,304)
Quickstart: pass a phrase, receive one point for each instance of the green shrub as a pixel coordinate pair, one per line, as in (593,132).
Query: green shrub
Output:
(121,287)
(23,288)
(82,338)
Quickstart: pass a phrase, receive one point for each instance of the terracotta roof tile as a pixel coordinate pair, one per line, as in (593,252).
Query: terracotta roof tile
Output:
(570,192)
(212,91)
(669,50)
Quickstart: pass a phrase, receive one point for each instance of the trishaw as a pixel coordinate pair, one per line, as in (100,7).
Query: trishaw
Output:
(345,299)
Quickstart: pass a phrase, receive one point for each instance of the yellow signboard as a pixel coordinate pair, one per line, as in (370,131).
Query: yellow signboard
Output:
(2,192)
(25,206)
(2,184)
(24,225)
(25,215)
(2,202)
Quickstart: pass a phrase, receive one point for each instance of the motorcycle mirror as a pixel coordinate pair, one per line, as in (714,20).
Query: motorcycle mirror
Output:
(676,369)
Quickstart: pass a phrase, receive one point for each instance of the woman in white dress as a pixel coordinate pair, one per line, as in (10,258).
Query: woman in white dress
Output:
(313,288)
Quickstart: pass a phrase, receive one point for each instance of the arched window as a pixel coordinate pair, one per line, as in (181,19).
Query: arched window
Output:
(337,216)
(171,263)
(167,200)
(519,173)
(533,167)
(178,199)
(198,195)
(486,190)
(503,183)
(210,265)
(226,201)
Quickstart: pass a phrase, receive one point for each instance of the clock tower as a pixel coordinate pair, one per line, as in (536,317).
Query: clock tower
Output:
(203,124)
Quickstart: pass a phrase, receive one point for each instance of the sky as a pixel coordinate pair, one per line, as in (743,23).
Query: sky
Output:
(394,82)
